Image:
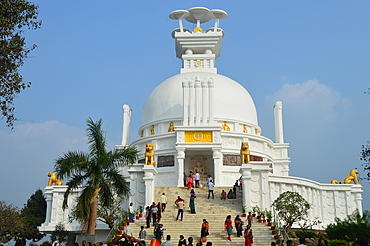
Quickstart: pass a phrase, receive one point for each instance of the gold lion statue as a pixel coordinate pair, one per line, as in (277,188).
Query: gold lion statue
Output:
(352,176)
(53,179)
(245,153)
(149,154)
(334,181)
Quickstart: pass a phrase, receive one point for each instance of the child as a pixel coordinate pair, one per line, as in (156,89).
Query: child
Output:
(142,235)
(223,195)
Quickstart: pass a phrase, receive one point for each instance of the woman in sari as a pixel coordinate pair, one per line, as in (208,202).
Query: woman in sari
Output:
(238,226)
(248,236)
(159,213)
(228,227)
(192,204)
(204,231)
(190,180)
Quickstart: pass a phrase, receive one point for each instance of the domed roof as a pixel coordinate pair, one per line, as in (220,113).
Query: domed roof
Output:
(231,101)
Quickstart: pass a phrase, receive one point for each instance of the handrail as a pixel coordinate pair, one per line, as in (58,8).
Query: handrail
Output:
(280,226)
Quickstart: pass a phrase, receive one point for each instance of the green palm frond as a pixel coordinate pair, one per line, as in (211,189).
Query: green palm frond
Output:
(72,162)
(96,171)
(96,138)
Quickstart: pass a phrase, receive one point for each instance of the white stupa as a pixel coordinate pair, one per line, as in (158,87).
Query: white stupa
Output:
(197,120)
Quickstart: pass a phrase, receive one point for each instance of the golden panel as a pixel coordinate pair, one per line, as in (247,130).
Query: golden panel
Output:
(198,137)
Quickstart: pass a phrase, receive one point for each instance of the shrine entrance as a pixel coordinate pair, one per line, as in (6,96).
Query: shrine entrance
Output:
(201,162)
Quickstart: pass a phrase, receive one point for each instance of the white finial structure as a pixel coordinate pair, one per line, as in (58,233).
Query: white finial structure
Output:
(198,48)
(218,14)
(126,125)
(179,15)
(278,117)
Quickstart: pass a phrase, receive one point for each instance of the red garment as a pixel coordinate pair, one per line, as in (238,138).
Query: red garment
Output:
(190,182)
(155,242)
(247,237)
(228,223)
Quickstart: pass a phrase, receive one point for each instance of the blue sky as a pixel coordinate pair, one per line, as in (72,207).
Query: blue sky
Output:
(95,56)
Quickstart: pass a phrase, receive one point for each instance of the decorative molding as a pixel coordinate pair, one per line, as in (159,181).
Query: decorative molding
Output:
(198,136)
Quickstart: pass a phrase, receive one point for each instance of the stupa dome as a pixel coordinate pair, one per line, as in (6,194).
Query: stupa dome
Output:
(231,101)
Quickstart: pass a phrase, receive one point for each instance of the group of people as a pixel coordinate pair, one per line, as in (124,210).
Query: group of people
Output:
(193,180)
(248,234)
(182,242)
(153,213)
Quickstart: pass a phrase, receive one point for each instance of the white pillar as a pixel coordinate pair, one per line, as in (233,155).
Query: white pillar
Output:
(149,178)
(217,166)
(49,199)
(210,94)
(198,95)
(278,117)
(204,102)
(191,102)
(245,171)
(265,189)
(126,125)
(185,94)
(180,166)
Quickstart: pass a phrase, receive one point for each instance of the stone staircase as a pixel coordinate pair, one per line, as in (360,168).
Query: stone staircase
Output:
(213,210)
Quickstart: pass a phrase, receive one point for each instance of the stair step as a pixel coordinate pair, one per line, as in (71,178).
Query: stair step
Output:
(214,210)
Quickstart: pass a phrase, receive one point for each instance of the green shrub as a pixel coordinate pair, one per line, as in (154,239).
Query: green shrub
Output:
(338,243)
(305,234)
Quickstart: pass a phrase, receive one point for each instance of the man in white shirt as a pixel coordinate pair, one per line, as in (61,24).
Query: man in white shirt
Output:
(168,243)
(132,212)
(209,179)
(128,230)
(210,189)
(197,179)
(163,199)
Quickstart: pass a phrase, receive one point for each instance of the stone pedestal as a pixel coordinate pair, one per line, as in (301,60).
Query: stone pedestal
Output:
(149,178)
(245,171)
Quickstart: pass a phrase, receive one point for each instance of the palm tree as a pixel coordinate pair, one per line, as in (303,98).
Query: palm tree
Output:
(96,173)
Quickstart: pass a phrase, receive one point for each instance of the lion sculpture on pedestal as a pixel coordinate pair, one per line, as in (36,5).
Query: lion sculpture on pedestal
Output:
(53,179)
(149,154)
(352,176)
(245,153)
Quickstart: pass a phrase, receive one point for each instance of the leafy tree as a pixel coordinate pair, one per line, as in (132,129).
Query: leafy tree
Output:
(15,16)
(112,214)
(338,243)
(291,207)
(353,228)
(365,156)
(60,233)
(9,221)
(96,173)
(33,215)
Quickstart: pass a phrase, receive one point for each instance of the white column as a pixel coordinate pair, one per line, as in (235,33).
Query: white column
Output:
(126,125)
(198,94)
(191,102)
(278,117)
(149,178)
(210,94)
(180,166)
(185,93)
(265,189)
(245,171)
(49,199)
(217,166)
(359,201)
(204,102)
